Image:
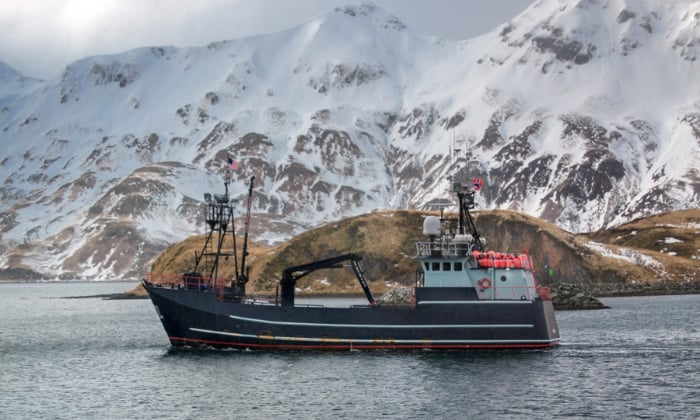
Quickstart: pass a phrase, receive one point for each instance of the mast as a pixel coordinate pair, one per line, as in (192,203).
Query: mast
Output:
(466,202)
(242,276)
(218,214)
(227,180)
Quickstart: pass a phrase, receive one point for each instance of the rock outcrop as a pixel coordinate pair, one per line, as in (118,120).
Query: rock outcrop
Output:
(569,296)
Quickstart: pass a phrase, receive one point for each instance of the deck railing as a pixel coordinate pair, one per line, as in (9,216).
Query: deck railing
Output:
(448,248)
(444,248)
(190,282)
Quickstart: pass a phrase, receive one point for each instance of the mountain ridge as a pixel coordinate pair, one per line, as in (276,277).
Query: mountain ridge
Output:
(564,111)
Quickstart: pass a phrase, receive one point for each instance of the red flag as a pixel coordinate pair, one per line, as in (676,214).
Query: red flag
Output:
(232,164)
(478,183)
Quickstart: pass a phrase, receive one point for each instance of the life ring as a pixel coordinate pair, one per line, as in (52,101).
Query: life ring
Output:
(485,283)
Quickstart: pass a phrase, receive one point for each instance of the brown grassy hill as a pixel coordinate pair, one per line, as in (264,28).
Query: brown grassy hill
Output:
(662,248)
(673,233)
(672,239)
(386,240)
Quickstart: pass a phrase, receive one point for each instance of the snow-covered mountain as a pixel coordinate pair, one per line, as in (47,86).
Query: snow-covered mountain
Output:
(585,113)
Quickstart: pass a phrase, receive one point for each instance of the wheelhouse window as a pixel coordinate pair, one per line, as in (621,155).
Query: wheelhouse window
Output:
(446,266)
(436,266)
(458,266)
(427,266)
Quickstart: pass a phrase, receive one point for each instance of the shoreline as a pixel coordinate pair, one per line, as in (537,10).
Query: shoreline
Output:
(565,296)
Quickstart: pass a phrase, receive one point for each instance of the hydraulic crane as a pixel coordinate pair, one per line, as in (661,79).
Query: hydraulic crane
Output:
(290,276)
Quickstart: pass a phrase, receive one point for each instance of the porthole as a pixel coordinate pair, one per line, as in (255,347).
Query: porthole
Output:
(504,278)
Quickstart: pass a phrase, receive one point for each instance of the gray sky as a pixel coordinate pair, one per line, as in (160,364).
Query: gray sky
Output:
(40,37)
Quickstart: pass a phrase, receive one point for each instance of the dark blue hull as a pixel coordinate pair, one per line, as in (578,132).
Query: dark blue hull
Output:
(193,318)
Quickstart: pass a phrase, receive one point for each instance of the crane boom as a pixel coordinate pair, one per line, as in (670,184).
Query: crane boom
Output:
(290,276)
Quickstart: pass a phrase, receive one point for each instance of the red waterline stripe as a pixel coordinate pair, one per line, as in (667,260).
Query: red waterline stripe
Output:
(366,346)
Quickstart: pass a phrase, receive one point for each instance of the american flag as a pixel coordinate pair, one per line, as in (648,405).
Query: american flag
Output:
(478,183)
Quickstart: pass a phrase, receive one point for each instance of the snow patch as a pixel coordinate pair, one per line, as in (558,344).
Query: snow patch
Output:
(625,254)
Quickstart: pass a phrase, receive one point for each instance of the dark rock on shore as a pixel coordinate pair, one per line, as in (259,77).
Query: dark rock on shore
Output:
(569,296)
(646,289)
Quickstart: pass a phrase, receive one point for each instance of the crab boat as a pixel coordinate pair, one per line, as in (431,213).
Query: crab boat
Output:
(463,297)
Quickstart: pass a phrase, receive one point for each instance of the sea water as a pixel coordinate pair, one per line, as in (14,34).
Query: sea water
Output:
(110,359)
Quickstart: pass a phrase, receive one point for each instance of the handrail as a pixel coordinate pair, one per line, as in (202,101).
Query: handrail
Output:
(445,248)
(190,282)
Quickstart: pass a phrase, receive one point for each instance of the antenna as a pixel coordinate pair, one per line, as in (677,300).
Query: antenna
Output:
(455,149)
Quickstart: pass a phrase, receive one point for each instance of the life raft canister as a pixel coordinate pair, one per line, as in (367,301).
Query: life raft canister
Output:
(485,283)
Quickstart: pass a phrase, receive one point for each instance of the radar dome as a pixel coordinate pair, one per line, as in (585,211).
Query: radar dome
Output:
(431,226)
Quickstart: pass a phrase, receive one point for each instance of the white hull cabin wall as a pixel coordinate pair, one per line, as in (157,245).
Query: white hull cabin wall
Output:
(495,276)
(510,275)
(446,273)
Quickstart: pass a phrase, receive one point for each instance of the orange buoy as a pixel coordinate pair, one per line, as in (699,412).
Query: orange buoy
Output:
(485,283)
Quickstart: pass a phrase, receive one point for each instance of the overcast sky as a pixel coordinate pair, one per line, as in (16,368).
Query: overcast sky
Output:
(40,37)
